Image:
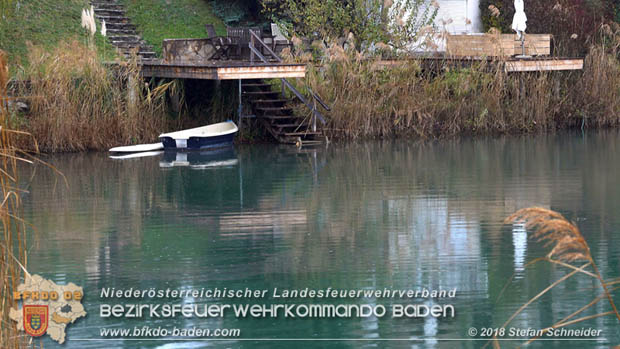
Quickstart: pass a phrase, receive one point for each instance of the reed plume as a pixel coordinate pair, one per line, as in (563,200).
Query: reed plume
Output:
(567,245)
(86,105)
(13,257)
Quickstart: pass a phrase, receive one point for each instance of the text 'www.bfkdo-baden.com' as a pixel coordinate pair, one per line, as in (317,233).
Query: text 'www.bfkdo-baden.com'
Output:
(160,332)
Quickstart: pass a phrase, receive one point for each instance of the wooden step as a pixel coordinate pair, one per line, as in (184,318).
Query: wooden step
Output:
(279,117)
(311,142)
(260,92)
(287,100)
(291,125)
(255,85)
(274,108)
(309,133)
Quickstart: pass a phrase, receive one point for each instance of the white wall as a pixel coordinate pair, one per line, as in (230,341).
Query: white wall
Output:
(452,16)
(459,11)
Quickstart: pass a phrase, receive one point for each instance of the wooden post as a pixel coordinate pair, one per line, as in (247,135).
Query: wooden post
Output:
(132,93)
(313,116)
(251,44)
(240,183)
(240,109)
(282,88)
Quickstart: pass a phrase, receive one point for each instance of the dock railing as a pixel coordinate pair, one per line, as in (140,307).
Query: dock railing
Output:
(254,51)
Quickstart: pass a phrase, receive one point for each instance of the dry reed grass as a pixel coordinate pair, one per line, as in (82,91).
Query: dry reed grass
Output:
(372,99)
(6,6)
(567,246)
(13,256)
(82,104)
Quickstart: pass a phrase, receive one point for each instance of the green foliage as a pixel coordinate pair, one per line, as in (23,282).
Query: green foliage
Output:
(235,12)
(6,6)
(503,21)
(157,20)
(562,18)
(370,21)
(230,12)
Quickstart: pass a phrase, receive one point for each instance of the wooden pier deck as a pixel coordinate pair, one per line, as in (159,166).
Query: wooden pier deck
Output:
(508,64)
(221,70)
(245,70)
(543,64)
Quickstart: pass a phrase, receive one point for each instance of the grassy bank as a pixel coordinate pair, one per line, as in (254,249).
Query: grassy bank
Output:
(77,103)
(369,100)
(157,20)
(43,23)
(46,23)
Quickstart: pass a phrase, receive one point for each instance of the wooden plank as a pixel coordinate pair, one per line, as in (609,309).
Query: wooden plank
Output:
(179,72)
(261,72)
(497,45)
(215,72)
(544,65)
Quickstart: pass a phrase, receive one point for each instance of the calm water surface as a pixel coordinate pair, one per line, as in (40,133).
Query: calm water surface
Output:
(396,215)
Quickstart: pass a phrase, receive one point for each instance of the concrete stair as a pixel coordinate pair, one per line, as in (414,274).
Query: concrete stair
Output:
(120,32)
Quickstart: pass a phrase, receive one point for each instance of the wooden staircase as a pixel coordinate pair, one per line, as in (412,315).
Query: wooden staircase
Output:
(275,113)
(120,32)
(274,110)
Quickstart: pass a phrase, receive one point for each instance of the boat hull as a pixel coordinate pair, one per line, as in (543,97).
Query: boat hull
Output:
(193,143)
(206,137)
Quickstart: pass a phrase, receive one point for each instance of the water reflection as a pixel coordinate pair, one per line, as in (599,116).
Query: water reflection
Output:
(355,216)
(519,241)
(200,160)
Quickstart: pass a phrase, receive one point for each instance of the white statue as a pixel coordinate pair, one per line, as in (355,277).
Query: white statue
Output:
(519,20)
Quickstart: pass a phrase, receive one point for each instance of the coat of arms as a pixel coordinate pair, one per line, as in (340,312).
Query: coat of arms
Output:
(36,319)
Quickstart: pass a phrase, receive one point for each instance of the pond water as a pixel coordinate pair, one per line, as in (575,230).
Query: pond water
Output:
(398,215)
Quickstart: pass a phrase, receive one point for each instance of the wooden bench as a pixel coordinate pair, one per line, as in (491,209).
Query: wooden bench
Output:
(497,45)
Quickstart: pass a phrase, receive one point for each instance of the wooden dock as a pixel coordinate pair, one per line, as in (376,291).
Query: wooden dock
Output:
(509,64)
(272,106)
(242,70)
(543,64)
(221,70)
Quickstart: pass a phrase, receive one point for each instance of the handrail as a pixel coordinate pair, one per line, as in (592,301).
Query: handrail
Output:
(318,99)
(254,36)
(291,87)
(301,98)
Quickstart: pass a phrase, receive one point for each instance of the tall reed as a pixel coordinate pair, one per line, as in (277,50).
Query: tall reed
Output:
(371,98)
(79,103)
(570,250)
(13,239)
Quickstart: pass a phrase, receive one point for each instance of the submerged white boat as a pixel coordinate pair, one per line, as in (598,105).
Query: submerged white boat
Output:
(210,136)
(204,137)
(138,148)
(135,155)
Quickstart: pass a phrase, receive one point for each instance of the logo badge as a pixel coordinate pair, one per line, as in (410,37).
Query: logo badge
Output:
(36,319)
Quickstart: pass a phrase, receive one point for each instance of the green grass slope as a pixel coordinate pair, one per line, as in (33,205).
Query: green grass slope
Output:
(47,22)
(157,20)
(44,22)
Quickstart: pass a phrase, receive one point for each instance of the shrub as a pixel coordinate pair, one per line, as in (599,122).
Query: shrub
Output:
(572,22)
